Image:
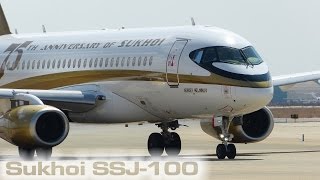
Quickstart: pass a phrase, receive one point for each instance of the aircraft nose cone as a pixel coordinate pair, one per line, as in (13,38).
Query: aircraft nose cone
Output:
(253,99)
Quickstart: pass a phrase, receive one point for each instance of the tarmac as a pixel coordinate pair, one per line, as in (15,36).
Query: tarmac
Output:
(283,155)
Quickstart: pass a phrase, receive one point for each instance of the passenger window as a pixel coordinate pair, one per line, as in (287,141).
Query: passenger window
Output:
(122,61)
(145,61)
(150,60)
(64,63)
(79,63)
(111,63)
(128,61)
(43,64)
(59,63)
(101,62)
(134,61)
(106,62)
(48,64)
(53,64)
(33,64)
(117,62)
(90,63)
(74,63)
(96,62)
(139,61)
(85,63)
(18,65)
(28,65)
(38,65)
(69,63)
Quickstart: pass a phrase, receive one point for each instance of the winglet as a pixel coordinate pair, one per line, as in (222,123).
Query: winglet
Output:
(4,27)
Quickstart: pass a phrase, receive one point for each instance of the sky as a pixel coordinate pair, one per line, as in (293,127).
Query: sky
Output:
(285,32)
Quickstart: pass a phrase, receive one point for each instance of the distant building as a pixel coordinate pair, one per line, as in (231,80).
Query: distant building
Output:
(296,95)
(279,97)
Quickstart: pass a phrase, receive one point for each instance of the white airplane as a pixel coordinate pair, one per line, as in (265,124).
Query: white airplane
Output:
(158,75)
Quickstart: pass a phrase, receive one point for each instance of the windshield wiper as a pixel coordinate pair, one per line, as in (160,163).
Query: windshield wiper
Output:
(248,63)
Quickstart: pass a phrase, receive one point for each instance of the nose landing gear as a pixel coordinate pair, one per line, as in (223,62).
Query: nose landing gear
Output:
(226,149)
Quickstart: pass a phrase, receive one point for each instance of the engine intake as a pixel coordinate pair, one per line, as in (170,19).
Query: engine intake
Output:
(255,127)
(250,128)
(50,127)
(34,126)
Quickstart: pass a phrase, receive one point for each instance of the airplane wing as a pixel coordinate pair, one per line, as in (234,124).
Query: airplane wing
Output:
(55,95)
(295,78)
(70,100)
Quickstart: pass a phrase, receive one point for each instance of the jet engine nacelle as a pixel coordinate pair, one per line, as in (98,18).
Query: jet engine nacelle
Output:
(253,127)
(33,126)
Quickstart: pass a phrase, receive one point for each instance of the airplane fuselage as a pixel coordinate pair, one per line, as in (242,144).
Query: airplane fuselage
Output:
(146,74)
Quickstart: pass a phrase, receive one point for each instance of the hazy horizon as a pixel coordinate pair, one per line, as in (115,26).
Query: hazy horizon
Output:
(285,32)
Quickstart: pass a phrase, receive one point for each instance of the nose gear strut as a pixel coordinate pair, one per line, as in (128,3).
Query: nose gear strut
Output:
(226,149)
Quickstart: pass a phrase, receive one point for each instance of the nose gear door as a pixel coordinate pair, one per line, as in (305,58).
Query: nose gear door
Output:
(172,65)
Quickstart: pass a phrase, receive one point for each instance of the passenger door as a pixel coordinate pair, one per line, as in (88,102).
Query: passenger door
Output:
(172,65)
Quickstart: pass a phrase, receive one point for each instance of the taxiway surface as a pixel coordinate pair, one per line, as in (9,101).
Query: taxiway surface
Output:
(283,155)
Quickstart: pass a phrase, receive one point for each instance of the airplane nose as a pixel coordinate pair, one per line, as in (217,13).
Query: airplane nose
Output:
(253,99)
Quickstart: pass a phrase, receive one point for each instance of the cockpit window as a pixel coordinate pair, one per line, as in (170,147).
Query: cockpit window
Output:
(206,56)
(210,55)
(230,55)
(251,55)
(198,56)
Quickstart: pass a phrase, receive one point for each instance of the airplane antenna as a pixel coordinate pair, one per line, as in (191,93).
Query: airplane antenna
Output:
(193,22)
(16,31)
(44,29)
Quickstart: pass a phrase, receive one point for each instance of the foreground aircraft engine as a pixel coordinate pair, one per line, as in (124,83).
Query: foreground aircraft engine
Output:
(34,128)
(253,127)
